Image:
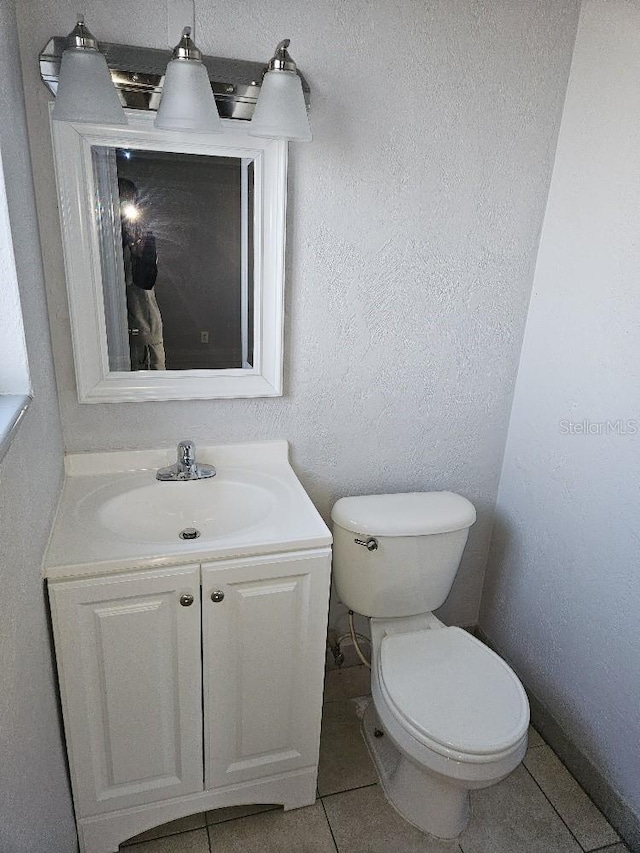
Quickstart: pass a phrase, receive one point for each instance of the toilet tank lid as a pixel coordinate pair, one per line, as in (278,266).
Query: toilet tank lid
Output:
(412,514)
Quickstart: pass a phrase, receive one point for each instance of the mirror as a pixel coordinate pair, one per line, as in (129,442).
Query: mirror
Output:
(178,277)
(174,250)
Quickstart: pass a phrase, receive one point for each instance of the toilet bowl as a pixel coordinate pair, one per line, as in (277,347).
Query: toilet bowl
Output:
(448,715)
(457,718)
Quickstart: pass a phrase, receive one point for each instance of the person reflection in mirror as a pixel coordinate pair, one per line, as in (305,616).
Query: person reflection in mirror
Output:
(140,272)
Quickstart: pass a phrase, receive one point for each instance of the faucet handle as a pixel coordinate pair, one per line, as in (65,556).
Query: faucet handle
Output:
(186,453)
(186,468)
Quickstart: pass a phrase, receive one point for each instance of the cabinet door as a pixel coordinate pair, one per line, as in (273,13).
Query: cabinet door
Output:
(264,653)
(128,656)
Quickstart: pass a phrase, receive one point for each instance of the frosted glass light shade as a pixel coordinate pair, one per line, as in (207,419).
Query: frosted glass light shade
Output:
(85,91)
(187,99)
(281,112)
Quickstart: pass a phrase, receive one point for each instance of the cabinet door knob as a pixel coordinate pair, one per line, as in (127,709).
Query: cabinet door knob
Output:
(186,600)
(217,596)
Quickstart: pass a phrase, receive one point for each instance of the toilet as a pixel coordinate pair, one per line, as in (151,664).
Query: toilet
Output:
(448,714)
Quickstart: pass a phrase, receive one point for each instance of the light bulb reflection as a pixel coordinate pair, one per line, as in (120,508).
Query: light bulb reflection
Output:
(129,212)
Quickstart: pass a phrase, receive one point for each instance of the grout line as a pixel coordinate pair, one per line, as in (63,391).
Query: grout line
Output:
(595,805)
(608,847)
(346,790)
(335,843)
(591,849)
(247,817)
(242,816)
(555,810)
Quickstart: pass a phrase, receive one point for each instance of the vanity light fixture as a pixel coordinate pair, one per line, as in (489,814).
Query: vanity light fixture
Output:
(141,79)
(187,101)
(85,90)
(281,112)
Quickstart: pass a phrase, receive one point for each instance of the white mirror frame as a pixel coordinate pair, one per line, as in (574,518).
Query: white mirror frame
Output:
(72,143)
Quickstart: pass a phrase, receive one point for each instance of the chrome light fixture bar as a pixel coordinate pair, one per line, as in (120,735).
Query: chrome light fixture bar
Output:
(137,74)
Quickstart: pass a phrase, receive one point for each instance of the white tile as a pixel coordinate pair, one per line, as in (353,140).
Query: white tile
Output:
(582,817)
(362,821)
(347,683)
(344,758)
(514,816)
(535,739)
(303,830)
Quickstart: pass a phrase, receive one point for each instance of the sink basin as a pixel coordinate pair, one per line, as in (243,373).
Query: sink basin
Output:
(114,516)
(157,512)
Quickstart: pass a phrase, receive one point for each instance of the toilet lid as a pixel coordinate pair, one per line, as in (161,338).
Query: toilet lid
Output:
(454,690)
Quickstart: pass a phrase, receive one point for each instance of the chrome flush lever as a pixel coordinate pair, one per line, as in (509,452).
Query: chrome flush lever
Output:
(370,544)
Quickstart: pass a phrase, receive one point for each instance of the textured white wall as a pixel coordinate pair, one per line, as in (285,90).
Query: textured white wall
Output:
(413,227)
(35,805)
(562,593)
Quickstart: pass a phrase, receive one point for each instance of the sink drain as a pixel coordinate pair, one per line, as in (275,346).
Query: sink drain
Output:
(189,533)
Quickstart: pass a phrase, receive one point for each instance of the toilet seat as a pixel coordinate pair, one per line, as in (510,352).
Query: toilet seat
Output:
(453,694)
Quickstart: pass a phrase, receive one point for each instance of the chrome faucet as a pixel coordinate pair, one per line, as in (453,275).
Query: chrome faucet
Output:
(186,468)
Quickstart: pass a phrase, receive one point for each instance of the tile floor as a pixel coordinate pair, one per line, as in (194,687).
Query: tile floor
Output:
(540,808)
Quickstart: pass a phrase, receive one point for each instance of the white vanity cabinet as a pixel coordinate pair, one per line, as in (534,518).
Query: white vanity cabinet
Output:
(140,656)
(128,657)
(264,629)
(191,669)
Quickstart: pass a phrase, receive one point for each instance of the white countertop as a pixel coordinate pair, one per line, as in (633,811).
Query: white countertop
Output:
(81,545)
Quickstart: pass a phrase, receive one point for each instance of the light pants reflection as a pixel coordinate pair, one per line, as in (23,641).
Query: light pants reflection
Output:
(147,356)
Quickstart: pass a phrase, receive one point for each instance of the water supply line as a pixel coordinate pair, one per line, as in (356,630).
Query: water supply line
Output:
(354,639)
(334,642)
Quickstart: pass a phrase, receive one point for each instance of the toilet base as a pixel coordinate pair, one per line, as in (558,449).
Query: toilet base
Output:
(433,805)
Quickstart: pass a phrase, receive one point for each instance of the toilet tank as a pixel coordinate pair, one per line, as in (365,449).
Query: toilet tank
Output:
(420,538)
